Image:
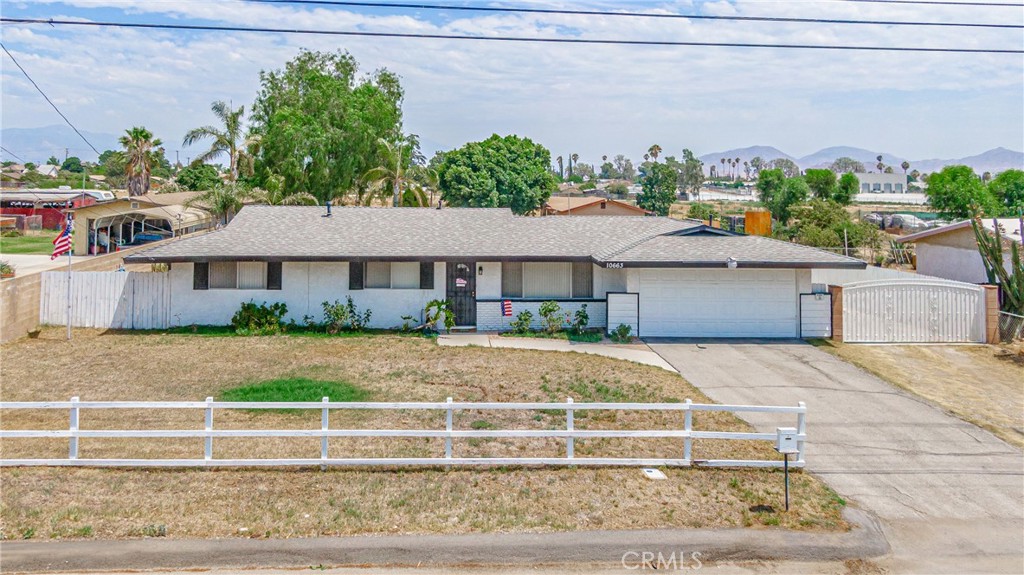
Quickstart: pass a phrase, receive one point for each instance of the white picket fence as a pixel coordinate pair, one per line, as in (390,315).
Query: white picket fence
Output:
(570,434)
(913,311)
(106,300)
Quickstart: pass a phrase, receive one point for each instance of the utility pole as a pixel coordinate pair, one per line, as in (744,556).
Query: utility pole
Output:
(65,154)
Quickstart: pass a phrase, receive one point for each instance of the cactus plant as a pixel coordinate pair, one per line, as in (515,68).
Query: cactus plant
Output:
(1010,282)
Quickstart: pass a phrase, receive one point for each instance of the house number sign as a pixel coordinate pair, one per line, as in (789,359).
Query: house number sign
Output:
(613,265)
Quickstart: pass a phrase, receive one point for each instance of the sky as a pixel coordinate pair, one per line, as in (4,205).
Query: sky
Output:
(593,100)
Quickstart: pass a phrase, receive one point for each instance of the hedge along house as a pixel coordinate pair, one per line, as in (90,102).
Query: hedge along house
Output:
(662,276)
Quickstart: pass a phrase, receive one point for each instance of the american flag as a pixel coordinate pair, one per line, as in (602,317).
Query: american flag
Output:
(62,243)
(506,308)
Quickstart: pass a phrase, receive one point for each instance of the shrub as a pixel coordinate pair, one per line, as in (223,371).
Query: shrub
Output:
(252,319)
(439,312)
(699,211)
(579,321)
(522,322)
(552,315)
(622,334)
(340,317)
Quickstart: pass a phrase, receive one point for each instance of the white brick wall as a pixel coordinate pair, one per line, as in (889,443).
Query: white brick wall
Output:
(489,318)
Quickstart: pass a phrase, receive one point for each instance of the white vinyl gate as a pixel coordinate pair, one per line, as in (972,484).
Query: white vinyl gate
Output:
(106,300)
(913,311)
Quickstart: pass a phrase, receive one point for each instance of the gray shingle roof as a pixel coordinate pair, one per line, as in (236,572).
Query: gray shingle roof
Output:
(699,250)
(300,233)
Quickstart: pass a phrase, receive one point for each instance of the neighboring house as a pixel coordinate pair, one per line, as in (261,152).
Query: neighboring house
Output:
(951,252)
(592,206)
(49,204)
(48,170)
(894,183)
(662,276)
(103,227)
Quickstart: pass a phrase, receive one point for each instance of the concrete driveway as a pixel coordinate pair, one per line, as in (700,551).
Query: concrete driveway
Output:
(950,495)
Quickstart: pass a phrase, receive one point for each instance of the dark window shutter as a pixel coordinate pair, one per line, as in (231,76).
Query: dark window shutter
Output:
(355,275)
(201,275)
(273,275)
(426,275)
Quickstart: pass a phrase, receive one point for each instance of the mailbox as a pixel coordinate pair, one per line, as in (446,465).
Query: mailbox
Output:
(785,440)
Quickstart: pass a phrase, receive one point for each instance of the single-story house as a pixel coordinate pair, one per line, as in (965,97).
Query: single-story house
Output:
(590,206)
(661,276)
(951,251)
(103,227)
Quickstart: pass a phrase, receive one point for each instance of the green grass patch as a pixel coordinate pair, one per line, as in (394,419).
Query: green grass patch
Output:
(27,245)
(294,389)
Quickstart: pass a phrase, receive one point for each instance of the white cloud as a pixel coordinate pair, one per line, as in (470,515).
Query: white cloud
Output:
(592,99)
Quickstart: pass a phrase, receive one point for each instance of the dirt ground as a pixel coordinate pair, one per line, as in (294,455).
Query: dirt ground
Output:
(111,503)
(982,384)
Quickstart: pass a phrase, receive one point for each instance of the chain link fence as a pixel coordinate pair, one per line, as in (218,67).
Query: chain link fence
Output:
(1011,327)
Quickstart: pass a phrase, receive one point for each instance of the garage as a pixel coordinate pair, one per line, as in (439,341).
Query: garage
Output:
(692,302)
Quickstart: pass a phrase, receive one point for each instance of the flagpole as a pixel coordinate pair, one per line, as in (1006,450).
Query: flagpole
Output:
(67,222)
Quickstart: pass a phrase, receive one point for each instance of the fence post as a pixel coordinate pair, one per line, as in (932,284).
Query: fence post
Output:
(570,424)
(448,428)
(688,427)
(73,425)
(801,429)
(323,440)
(208,455)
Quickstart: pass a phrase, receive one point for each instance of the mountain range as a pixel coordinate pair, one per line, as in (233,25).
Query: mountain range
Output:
(994,160)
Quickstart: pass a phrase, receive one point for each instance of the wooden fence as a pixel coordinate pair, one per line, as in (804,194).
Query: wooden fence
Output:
(570,434)
(106,300)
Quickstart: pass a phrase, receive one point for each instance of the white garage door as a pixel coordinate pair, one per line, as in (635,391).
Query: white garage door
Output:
(718,303)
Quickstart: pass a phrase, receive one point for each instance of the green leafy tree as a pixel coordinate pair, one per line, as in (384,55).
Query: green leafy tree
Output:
(320,124)
(701,211)
(497,172)
(658,188)
(654,151)
(1008,190)
(826,224)
(141,153)
(822,183)
(53,161)
(227,138)
(847,189)
(624,167)
(788,167)
(779,194)
(958,193)
(73,164)
(30,167)
(691,173)
(198,176)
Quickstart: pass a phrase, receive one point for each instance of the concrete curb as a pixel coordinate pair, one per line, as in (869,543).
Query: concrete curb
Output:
(864,541)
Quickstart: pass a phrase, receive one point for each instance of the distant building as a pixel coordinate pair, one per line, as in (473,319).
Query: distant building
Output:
(894,183)
(590,206)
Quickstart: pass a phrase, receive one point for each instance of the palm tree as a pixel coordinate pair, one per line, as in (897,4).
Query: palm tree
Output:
(572,162)
(138,157)
(906,166)
(604,158)
(391,174)
(226,140)
(746,169)
(561,171)
(736,164)
(723,166)
(274,194)
(223,201)
(654,152)
(880,164)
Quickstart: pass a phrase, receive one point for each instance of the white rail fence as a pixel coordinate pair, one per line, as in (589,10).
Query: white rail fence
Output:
(106,300)
(570,434)
(913,311)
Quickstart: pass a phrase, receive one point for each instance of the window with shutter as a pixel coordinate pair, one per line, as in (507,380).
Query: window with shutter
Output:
(201,275)
(223,275)
(582,280)
(274,273)
(378,275)
(355,275)
(511,279)
(426,275)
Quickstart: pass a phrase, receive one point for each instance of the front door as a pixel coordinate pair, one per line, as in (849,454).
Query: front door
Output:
(462,291)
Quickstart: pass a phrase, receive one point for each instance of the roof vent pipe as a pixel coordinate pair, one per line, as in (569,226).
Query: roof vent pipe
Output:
(328,214)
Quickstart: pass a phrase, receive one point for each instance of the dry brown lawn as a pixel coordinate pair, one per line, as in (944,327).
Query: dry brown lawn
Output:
(982,384)
(111,503)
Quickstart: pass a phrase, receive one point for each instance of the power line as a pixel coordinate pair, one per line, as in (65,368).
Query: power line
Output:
(10,153)
(941,3)
(204,28)
(47,98)
(631,14)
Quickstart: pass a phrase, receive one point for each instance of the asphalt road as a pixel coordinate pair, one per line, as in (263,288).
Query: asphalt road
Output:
(949,495)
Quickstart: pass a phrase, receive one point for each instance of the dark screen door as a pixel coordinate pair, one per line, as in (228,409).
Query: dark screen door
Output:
(462,291)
